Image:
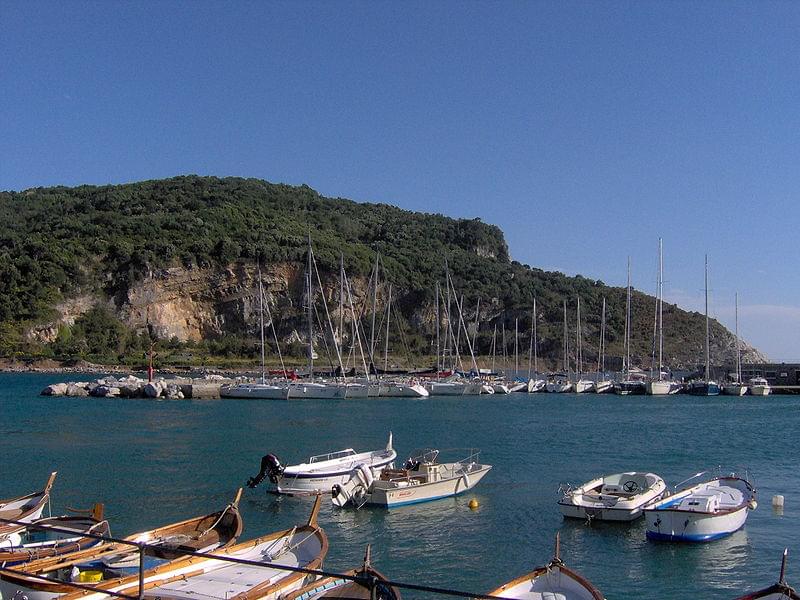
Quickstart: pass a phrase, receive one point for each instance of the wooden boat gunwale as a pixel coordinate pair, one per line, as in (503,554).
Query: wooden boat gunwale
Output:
(100,526)
(122,584)
(555,562)
(18,574)
(9,528)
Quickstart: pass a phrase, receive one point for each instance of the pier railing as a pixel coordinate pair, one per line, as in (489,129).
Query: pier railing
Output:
(371,582)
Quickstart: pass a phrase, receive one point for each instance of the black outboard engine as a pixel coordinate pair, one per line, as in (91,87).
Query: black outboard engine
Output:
(270,467)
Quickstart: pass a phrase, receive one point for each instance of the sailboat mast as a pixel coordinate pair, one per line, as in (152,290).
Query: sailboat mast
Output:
(708,349)
(374,307)
(535,340)
(494,346)
(578,345)
(566,342)
(341,303)
(530,347)
(438,330)
(601,358)
(310,317)
(627,359)
(261,319)
(660,309)
(386,341)
(738,346)
(516,346)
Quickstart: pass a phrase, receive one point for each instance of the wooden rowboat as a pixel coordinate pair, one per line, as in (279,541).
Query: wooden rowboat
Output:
(554,580)
(338,587)
(25,508)
(778,591)
(40,541)
(113,560)
(209,577)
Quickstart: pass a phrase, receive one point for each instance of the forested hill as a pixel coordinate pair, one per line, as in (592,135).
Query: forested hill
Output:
(97,270)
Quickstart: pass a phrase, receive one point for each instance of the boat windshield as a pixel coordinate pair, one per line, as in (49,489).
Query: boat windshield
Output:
(331,455)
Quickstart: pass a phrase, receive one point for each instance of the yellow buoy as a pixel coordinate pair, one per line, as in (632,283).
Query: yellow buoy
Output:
(473,504)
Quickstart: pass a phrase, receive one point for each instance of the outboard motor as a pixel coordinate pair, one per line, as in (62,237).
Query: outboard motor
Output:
(270,467)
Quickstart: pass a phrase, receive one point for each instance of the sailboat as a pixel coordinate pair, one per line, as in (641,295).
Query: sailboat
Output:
(601,384)
(629,385)
(261,390)
(581,384)
(736,388)
(559,383)
(660,386)
(706,386)
(535,383)
(311,388)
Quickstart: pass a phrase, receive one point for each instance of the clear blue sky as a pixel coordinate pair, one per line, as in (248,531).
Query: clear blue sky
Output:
(585,130)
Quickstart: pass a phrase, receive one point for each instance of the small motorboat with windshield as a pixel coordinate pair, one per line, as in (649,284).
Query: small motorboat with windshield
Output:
(421,479)
(617,497)
(702,512)
(320,472)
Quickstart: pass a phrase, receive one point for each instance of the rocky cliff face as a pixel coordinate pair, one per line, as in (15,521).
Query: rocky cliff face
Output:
(192,304)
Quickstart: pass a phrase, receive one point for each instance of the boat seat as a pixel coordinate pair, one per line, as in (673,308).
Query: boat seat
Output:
(388,474)
(12,513)
(547,596)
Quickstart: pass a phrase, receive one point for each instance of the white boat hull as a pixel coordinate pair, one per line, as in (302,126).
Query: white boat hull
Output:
(437,388)
(500,388)
(760,390)
(536,385)
(584,385)
(558,388)
(702,513)
(660,388)
(403,390)
(255,391)
(602,387)
(606,498)
(315,391)
(734,389)
(303,479)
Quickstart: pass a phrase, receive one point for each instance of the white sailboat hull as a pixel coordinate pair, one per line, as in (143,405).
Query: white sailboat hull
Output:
(734,389)
(402,390)
(255,391)
(660,388)
(558,388)
(602,387)
(760,390)
(583,385)
(315,391)
(445,388)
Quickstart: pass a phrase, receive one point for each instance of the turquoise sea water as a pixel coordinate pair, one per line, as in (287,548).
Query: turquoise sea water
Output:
(155,462)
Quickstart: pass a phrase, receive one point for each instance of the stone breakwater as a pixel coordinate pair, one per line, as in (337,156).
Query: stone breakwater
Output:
(134,387)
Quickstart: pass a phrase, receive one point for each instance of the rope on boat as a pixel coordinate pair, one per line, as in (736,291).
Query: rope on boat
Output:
(225,510)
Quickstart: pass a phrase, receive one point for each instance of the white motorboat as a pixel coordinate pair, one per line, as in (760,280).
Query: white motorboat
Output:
(703,512)
(255,391)
(617,497)
(210,576)
(777,591)
(554,581)
(760,387)
(320,472)
(421,479)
